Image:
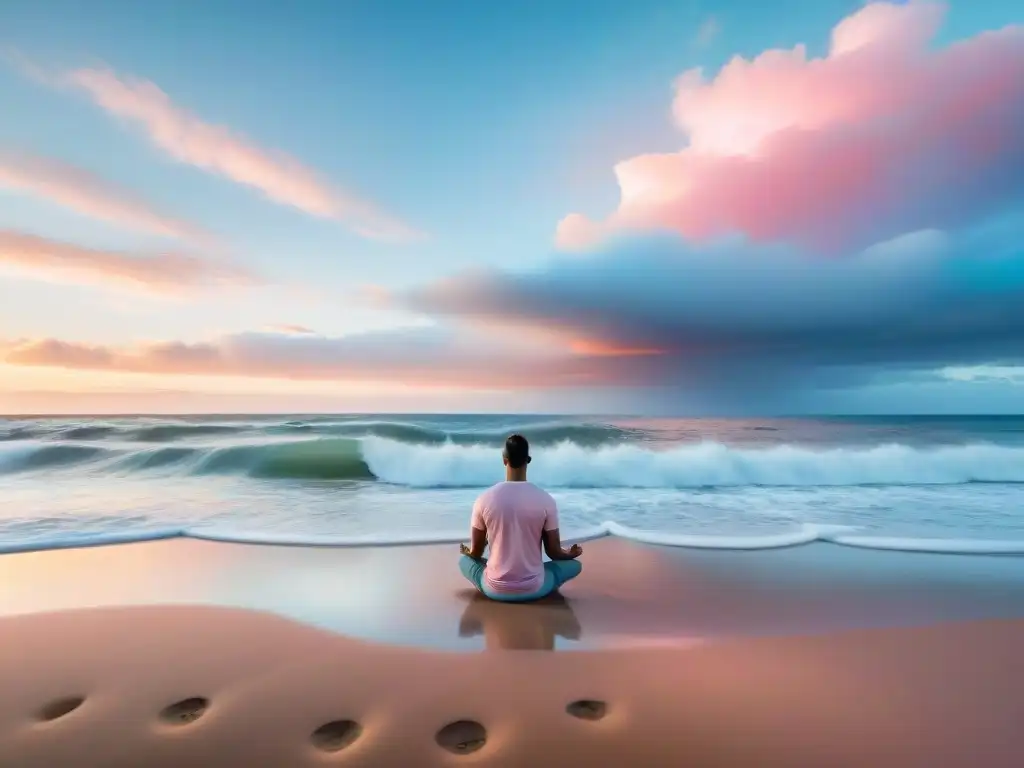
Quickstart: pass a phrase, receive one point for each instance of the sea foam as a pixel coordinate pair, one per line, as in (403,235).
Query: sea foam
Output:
(568,465)
(806,534)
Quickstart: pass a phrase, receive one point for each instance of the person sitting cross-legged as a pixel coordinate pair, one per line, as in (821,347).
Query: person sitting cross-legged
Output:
(516,518)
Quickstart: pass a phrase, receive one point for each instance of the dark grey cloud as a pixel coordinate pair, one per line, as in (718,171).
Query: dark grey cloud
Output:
(736,315)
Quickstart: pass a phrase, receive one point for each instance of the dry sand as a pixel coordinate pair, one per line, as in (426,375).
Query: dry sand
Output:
(209,686)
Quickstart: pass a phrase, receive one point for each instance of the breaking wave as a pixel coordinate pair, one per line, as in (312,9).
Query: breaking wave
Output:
(562,465)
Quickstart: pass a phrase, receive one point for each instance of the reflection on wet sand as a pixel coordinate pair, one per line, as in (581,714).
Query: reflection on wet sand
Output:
(519,626)
(630,594)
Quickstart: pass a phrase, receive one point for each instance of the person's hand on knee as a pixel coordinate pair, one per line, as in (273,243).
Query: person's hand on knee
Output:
(468,552)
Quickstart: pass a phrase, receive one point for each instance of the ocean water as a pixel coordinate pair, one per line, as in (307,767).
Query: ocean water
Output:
(951,484)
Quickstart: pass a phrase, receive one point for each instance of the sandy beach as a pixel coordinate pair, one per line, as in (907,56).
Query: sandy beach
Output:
(117,661)
(941,696)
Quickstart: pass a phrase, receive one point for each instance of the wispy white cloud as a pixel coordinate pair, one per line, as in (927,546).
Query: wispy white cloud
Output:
(1006,374)
(219,150)
(87,193)
(707,32)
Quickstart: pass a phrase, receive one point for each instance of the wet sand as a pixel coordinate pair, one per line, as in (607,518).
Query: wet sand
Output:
(630,595)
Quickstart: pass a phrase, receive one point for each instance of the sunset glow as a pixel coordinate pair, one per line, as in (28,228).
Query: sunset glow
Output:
(240,222)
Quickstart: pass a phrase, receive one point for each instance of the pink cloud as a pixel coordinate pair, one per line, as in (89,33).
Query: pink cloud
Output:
(290,328)
(70,355)
(372,295)
(837,152)
(601,348)
(162,273)
(84,192)
(217,149)
(422,357)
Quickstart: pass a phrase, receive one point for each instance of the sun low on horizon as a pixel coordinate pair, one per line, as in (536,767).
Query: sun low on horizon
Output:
(812,206)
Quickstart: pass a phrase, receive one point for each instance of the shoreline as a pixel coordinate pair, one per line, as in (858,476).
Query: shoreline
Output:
(803,535)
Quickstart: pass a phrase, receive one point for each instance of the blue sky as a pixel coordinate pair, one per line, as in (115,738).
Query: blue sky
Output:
(481,125)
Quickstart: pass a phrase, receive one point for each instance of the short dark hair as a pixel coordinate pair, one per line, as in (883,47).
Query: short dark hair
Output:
(517,451)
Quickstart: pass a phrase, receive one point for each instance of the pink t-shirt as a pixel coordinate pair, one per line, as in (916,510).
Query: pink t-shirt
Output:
(515,515)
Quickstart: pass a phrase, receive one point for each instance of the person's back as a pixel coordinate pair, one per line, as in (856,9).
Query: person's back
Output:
(516,517)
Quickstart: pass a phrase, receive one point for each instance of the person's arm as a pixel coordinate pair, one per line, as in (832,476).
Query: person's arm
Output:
(553,546)
(477,534)
(553,540)
(477,543)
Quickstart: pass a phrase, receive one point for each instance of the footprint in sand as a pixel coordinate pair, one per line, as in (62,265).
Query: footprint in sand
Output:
(60,707)
(462,737)
(336,735)
(587,709)
(185,711)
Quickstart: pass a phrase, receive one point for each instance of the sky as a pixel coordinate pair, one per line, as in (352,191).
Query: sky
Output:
(656,207)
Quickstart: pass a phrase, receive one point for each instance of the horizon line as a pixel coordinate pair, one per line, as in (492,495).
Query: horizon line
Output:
(208,414)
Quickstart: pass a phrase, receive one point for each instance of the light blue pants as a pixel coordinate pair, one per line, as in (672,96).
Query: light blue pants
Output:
(556,573)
